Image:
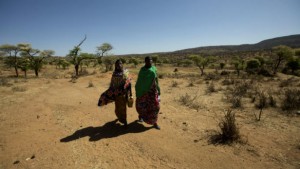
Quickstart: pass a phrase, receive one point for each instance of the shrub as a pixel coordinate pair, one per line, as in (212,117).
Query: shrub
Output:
(174,84)
(212,76)
(224,73)
(291,100)
(91,84)
(252,66)
(186,99)
(189,101)
(228,81)
(237,92)
(211,88)
(229,132)
(262,103)
(191,83)
(236,101)
(272,101)
(222,65)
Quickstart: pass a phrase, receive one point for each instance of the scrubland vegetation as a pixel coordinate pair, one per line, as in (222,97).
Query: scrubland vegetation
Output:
(254,84)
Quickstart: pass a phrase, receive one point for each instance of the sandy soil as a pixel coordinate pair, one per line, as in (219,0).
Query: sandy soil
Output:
(55,123)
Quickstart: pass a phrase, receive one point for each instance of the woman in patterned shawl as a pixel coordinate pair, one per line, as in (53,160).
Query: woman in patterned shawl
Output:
(118,92)
(147,94)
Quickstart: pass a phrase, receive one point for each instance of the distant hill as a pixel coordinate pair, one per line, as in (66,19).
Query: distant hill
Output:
(291,41)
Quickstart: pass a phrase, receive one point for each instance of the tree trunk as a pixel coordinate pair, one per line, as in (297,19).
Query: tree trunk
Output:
(76,69)
(202,71)
(17,73)
(276,66)
(25,73)
(36,71)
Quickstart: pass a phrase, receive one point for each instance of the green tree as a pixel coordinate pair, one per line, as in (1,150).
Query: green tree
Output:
(238,66)
(200,62)
(60,62)
(36,62)
(76,58)
(282,53)
(105,47)
(12,51)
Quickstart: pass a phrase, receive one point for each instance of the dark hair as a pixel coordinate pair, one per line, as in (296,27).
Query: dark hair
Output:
(118,61)
(148,58)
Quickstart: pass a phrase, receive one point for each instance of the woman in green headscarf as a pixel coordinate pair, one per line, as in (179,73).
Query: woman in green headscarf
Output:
(147,94)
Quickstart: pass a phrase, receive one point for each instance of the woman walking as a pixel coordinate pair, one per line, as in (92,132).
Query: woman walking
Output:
(118,92)
(147,94)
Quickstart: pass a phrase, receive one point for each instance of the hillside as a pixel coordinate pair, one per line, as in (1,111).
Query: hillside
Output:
(292,41)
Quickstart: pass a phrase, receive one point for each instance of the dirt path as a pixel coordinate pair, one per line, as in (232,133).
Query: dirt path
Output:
(56,124)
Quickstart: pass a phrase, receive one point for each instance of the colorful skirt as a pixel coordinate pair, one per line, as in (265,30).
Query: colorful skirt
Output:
(147,105)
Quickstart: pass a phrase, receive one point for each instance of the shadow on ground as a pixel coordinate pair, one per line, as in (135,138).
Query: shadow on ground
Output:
(108,130)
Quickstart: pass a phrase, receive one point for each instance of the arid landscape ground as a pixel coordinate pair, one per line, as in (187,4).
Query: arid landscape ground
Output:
(54,122)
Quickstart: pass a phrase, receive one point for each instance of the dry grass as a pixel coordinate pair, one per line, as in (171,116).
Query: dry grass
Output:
(229,132)
(18,89)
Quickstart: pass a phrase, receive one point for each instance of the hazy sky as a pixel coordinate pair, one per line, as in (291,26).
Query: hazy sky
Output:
(145,26)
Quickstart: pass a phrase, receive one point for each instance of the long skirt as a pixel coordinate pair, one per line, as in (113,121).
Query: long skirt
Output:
(120,108)
(148,106)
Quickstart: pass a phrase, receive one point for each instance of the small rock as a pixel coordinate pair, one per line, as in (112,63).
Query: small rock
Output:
(195,141)
(37,116)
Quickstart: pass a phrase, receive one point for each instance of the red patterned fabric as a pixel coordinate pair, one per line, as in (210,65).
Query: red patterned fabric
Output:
(148,106)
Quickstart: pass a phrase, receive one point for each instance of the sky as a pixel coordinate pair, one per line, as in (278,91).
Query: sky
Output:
(144,26)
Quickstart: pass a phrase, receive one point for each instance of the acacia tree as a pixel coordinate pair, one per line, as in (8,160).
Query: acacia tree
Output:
(282,53)
(238,63)
(36,61)
(12,51)
(77,58)
(105,47)
(200,62)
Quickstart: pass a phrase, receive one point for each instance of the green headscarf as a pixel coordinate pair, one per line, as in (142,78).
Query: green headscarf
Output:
(145,80)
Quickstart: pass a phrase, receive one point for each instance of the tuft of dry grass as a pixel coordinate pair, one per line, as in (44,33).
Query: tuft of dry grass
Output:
(229,132)
(18,89)
(5,82)
(174,83)
(189,101)
(91,84)
(211,88)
